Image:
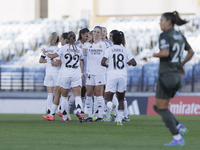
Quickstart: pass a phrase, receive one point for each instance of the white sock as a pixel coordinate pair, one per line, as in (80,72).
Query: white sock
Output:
(83,104)
(178,126)
(49,101)
(95,112)
(100,103)
(109,107)
(71,102)
(115,101)
(53,109)
(120,115)
(125,108)
(78,103)
(64,105)
(177,137)
(89,104)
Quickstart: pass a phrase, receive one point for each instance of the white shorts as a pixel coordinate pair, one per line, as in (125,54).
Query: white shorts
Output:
(95,80)
(50,80)
(70,82)
(116,85)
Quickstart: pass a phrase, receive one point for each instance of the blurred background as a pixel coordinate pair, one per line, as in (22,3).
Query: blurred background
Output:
(25,26)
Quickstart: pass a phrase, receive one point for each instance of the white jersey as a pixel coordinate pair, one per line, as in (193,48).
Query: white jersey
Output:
(95,53)
(52,70)
(108,43)
(117,56)
(81,45)
(70,61)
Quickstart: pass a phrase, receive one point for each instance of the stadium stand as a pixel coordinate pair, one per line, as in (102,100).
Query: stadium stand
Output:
(22,71)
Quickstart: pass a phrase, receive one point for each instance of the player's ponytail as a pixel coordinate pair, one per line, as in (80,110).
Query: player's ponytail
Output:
(71,41)
(123,38)
(175,18)
(54,39)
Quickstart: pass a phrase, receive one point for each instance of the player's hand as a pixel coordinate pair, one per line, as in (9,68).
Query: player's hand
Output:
(129,63)
(44,51)
(182,70)
(144,58)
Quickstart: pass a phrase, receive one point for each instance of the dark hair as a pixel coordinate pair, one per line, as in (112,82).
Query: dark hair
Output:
(98,27)
(82,31)
(65,35)
(174,17)
(114,31)
(118,38)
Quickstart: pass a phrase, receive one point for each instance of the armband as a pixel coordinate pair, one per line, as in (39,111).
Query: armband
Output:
(43,56)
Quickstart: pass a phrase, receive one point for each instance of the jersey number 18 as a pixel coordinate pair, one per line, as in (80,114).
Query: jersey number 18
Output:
(118,61)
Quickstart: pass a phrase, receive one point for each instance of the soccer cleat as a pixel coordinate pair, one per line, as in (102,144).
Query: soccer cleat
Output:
(98,120)
(182,130)
(180,142)
(59,114)
(83,116)
(80,119)
(89,119)
(62,120)
(119,123)
(106,119)
(49,117)
(126,119)
(112,110)
(94,118)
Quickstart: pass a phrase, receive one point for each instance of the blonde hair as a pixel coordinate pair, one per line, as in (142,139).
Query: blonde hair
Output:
(54,39)
(71,41)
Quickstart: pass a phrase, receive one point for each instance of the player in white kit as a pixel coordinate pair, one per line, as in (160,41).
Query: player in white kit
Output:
(117,56)
(83,37)
(71,74)
(51,71)
(57,99)
(95,74)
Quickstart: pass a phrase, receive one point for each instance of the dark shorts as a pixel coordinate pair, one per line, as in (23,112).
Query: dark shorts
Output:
(167,85)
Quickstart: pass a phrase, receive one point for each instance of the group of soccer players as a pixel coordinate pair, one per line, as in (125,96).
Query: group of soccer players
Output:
(93,65)
(101,65)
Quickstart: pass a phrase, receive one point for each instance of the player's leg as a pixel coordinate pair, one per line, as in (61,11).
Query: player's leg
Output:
(50,91)
(83,92)
(167,86)
(120,96)
(89,102)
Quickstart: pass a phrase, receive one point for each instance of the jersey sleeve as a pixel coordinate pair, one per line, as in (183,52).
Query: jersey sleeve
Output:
(163,41)
(130,55)
(187,45)
(106,54)
(81,54)
(59,51)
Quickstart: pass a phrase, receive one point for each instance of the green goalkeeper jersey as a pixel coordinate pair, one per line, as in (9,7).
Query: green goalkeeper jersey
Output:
(175,42)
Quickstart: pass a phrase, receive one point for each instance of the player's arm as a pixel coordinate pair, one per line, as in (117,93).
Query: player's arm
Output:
(132,62)
(103,62)
(56,63)
(162,53)
(52,55)
(188,57)
(42,59)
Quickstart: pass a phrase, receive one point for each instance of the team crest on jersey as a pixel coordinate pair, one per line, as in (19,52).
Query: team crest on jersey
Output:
(163,41)
(90,46)
(100,46)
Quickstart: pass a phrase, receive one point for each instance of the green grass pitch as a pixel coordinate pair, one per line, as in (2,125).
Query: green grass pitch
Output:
(32,132)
